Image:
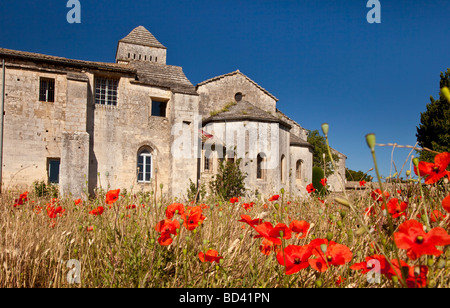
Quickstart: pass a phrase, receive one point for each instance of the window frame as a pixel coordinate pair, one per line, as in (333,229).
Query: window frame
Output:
(49,170)
(260,167)
(161,103)
(147,162)
(49,89)
(106,94)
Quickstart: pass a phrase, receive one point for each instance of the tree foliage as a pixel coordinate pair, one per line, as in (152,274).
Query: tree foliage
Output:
(230,180)
(320,148)
(434,129)
(352,175)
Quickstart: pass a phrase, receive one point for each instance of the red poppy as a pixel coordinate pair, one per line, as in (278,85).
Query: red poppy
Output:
(335,254)
(193,217)
(413,279)
(98,211)
(130,207)
(433,172)
(340,280)
(167,228)
(296,258)
(362,183)
(274,198)
(446,203)
(89,229)
(365,267)
(248,206)
(210,256)
(53,212)
(112,196)
(272,234)
(267,247)
(397,208)
(22,198)
(78,202)
(174,208)
(377,195)
(323,182)
(436,215)
(234,200)
(413,238)
(247,219)
(310,188)
(300,227)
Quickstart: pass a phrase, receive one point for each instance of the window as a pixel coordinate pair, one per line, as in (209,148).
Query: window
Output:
(238,97)
(144,166)
(47,90)
(260,168)
(207,161)
(106,91)
(53,170)
(298,170)
(159,109)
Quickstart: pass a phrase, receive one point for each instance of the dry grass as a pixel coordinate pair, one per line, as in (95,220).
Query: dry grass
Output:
(123,251)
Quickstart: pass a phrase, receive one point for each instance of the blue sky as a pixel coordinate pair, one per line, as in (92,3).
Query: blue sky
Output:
(321,59)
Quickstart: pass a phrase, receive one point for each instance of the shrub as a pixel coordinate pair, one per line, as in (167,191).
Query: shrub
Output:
(229,181)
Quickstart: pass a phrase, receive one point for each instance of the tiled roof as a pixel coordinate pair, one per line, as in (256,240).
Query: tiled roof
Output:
(244,111)
(8,53)
(141,36)
(237,72)
(166,76)
(297,141)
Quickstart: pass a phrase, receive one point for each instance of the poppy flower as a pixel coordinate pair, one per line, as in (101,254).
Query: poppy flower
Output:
(433,172)
(234,200)
(272,234)
(446,203)
(251,222)
(167,228)
(267,247)
(397,208)
(112,196)
(335,254)
(90,228)
(310,188)
(436,215)
(299,227)
(22,198)
(78,202)
(174,208)
(378,196)
(274,198)
(340,280)
(248,206)
(296,258)
(362,183)
(193,217)
(413,279)
(364,267)
(323,182)
(53,212)
(98,211)
(131,207)
(210,256)
(413,238)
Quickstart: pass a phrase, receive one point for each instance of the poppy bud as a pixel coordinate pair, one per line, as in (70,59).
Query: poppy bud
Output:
(319,283)
(361,231)
(394,279)
(221,261)
(441,264)
(371,141)
(408,172)
(282,191)
(329,236)
(281,233)
(323,247)
(188,238)
(343,213)
(430,262)
(415,161)
(325,128)
(185,251)
(339,223)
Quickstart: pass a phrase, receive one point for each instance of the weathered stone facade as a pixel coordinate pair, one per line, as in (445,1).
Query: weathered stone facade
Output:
(138,123)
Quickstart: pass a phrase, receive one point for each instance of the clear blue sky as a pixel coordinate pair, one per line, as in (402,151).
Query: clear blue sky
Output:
(321,59)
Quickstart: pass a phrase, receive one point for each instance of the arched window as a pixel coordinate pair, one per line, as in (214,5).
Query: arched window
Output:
(144,166)
(260,166)
(298,170)
(283,169)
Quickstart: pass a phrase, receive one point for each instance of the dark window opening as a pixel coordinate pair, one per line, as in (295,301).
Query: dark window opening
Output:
(159,109)
(260,172)
(106,91)
(47,90)
(238,97)
(53,165)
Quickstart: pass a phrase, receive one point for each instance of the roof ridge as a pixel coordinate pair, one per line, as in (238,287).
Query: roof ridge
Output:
(234,73)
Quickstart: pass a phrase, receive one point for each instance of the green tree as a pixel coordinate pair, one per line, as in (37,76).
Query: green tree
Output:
(352,175)
(229,181)
(434,130)
(320,147)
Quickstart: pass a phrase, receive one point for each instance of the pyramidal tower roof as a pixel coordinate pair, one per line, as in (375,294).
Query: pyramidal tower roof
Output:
(141,36)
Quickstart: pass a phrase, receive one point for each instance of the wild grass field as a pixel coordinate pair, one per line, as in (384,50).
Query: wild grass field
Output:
(125,240)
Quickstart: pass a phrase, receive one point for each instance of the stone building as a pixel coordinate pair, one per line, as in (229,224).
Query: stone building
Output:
(139,123)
